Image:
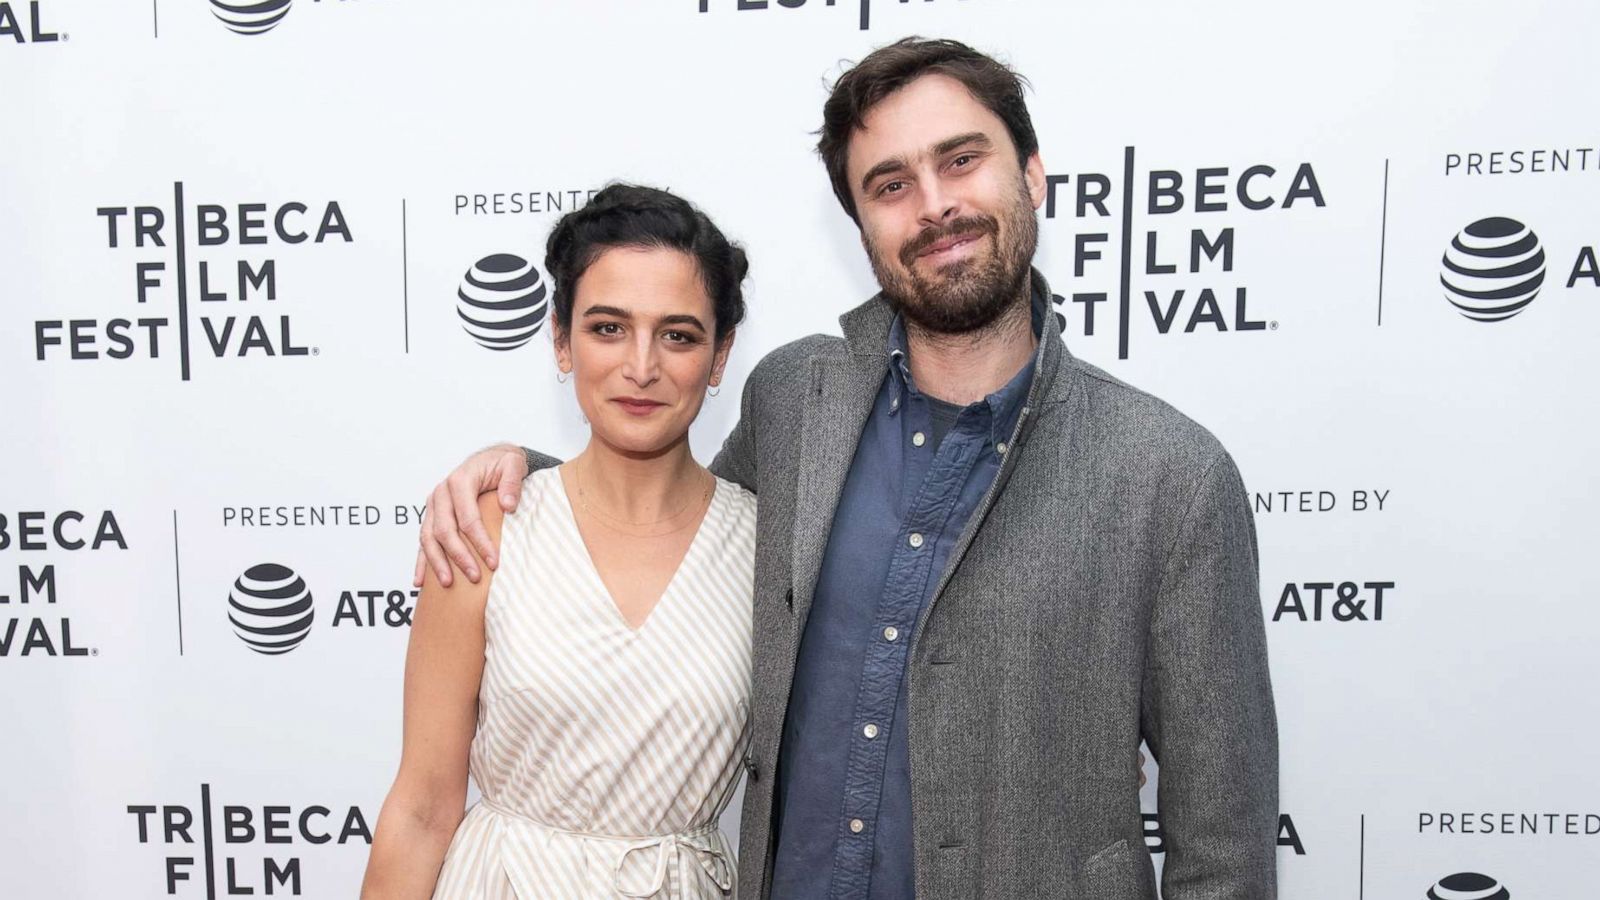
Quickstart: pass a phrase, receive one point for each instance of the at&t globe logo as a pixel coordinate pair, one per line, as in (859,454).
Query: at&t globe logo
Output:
(1493,269)
(270,608)
(1468,886)
(250,16)
(501,301)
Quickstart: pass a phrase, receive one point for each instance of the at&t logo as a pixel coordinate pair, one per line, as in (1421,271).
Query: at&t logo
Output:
(250,16)
(271,609)
(501,301)
(1496,267)
(1468,886)
(1493,269)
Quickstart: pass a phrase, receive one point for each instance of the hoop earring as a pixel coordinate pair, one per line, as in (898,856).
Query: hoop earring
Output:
(561,376)
(714,391)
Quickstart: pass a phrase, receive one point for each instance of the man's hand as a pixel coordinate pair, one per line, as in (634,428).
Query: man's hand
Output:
(453,512)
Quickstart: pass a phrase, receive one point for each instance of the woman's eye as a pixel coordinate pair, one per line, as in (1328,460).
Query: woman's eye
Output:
(608,328)
(680,337)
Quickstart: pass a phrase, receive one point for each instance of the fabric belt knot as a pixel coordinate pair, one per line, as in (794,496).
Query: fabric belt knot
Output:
(702,843)
(697,843)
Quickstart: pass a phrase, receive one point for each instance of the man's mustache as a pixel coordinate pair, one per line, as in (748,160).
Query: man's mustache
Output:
(967,226)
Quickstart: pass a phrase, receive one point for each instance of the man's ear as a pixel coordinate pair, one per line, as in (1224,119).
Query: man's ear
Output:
(1033,175)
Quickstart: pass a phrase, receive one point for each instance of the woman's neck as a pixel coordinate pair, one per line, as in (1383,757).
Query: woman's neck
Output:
(638,488)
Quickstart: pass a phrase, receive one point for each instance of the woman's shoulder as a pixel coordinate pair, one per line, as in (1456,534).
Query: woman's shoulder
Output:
(537,488)
(737,497)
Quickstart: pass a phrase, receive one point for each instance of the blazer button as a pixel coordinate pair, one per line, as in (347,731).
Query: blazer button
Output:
(788,598)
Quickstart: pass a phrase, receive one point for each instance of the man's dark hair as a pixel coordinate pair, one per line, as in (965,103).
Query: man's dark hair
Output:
(890,68)
(628,215)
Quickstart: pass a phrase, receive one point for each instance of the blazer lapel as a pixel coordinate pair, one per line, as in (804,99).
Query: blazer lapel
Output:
(841,398)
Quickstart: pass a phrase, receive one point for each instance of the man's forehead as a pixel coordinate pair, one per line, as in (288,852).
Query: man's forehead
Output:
(918,118)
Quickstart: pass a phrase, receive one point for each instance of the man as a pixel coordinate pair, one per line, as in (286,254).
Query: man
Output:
(985,570)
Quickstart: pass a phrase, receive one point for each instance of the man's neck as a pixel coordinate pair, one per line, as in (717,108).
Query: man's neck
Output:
(964,368)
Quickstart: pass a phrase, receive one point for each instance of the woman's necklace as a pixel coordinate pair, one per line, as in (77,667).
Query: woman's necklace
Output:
(631,528)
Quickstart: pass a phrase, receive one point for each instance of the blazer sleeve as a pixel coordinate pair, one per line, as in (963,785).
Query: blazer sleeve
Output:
(736,461)
(1207,710)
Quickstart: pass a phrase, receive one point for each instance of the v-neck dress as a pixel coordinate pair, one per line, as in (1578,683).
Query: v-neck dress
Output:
(605,755)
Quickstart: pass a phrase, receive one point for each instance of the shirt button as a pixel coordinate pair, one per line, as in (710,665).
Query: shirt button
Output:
(891,634)
(856,825)
(871,731)
(1001,448)
(918,439)
(915,540)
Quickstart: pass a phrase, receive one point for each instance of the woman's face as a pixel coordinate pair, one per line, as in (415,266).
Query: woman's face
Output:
(641,347)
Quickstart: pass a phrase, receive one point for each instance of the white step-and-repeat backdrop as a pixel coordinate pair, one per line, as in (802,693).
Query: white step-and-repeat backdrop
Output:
(1356,240)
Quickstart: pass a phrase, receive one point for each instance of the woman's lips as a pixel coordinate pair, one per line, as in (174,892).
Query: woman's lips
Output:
(637,407)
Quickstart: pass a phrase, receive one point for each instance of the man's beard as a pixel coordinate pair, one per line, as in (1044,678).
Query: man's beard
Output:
(971,294)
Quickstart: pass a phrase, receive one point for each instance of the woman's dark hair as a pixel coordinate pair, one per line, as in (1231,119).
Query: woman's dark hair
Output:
(892,67)
(628,215)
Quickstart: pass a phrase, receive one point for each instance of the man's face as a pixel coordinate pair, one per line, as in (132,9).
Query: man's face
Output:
(947,215)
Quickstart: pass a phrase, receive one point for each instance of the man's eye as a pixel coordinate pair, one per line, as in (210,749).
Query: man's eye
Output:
(893,187)
(963,159)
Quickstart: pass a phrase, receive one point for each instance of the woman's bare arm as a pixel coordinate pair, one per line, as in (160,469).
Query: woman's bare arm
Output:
(444,665)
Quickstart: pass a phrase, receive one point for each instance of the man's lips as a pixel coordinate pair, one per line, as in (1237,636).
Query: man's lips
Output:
(953,242)
(637,405)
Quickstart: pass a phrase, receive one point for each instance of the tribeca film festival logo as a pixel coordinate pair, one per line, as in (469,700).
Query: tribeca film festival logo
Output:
(1156,840)
(26,27)
(242,850)
(864,14)
(233,295)
(1468,886)
(27,631)
(1187,282)
(245,17)
(501,301)
(272,608)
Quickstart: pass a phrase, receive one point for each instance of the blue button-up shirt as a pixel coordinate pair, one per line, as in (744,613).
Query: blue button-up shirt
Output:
(844,781)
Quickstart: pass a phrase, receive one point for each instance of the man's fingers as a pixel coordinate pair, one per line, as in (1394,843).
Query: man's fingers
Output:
(479,536)
(466,521)
(439,517)
(510,487)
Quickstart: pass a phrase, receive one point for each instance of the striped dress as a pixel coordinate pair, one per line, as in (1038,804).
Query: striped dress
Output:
(606,755)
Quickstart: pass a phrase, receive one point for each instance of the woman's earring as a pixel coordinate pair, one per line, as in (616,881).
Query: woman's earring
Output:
(714,390)
(561,376)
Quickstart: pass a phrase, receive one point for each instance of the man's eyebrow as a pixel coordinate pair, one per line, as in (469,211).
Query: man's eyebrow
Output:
(895,163)
(892,164)
(976,138)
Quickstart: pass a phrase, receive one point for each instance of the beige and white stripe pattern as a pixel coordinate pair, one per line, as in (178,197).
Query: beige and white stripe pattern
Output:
(606,755)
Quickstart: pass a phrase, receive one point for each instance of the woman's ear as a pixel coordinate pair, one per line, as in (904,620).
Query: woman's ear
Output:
(720,360)
(562,341)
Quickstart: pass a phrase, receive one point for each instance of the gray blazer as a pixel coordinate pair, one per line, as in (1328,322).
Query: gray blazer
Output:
(1104,590)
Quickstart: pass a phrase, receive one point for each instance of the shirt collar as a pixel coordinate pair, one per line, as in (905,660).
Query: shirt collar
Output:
(1002,405)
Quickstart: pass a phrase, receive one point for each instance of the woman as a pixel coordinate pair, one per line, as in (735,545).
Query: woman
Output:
(597,685)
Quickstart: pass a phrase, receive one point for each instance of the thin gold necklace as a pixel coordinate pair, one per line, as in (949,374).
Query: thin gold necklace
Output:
(622,526)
